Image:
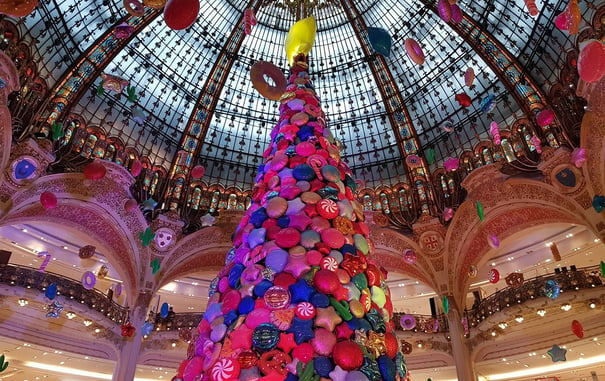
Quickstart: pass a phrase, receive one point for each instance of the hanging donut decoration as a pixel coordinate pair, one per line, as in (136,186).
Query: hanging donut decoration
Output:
(414,51)
(134,7)
(408,322)
(258,71)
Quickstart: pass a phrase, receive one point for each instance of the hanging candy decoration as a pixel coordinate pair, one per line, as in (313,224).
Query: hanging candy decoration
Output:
(531,7)
(414,51)
(488,103)
(514,279)
(463,99)
(155,4)
(545,117)
(47,257)
(430,156)
(147,236)
(380,40)
(147,328)
(406,347)
(598,203)
(48,200)
(134,7)
(448,214)
(300,38)
(113,83)
(451,164)
(413,161)
(3,364)
(258,73)
(89,280)
(51,291)
(495,131)
(127,330)
(480,211)
(591,61)
(602,264)
(130,205)
(17,8)
(577,329)
(555,252)
(536,142)
(181,14)
(493,241)
(123,30)
(445,10)
(132,96)
(103,271)
(557,353)
(578,157)
(456,14)
(570,19)
(136,167)
(493,276)
(54,309)
(552,289)
(138,115)
(198,172)
(409,256)
(155,266)
(118,288)
(95,171)
(249,20)
(445,302)
(164,310)
(469,77)
(408,322)
(447,126)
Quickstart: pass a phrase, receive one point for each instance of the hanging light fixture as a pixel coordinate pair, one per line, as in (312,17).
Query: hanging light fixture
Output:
(23,302)
(566,307)
(502,325)
(87,322)
(519,319)
(70,315)
(592,304)
(541,312)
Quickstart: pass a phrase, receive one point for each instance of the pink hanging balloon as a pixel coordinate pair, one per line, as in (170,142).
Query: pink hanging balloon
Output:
(445,10)
(591,62)
(451,164)
(456,13)
(495,131)
(135,168)
(545,117)
(198,171)
(561,21)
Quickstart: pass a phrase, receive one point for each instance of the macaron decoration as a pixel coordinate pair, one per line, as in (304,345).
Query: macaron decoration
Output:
(299,292)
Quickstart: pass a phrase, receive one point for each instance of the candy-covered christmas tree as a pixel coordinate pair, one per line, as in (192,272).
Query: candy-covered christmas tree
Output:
(299,297)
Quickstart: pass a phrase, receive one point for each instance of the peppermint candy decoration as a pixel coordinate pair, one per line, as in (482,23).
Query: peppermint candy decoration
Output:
(305,310)
(493,276)
(225,369)
(327,208)
(329,263)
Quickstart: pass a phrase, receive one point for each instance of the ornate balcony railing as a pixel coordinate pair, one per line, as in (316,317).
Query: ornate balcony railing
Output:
(568,281)
(67,288)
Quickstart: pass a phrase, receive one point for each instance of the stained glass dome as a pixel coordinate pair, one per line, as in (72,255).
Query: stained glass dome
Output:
(196,105)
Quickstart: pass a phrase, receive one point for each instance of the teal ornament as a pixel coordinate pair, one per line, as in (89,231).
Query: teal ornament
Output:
(480,211)
(380,40)
(552,289)
(149,205)
(400,363)
(376,320)
(488,103)
(265,337)
(370,369)
(51,291)
(164,310)
(446,304)
(155,266)
(598,203)
(430,156)
(557,353)
(24,169)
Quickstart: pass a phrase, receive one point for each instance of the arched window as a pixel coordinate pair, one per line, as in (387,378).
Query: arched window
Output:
(509,153)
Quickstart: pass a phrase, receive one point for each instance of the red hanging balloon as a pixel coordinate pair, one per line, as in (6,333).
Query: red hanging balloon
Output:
(591,62)
(95,171)
(135,168)
(181,14)
(577,329)
(463,99)
(48,200)
(198,171)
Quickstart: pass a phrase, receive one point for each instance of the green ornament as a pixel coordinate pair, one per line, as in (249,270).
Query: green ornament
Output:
(306,372)
(446,304)
(100,89)
(430,156)
(3,364)
(480,211)
(360,281)
(342,308)
(132,94)
(56,131)
(146,237)
(602,269)
(155,265)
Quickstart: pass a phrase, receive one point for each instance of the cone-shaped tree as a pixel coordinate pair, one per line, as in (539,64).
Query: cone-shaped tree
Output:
(300,297)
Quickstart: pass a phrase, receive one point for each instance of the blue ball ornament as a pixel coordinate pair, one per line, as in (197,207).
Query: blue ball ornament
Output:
(246,305)
(387,367)
(24,169)
(235,275)
(323,366)
(265,337)
(552,289)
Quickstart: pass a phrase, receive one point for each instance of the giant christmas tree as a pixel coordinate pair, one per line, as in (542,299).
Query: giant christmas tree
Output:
(300,297)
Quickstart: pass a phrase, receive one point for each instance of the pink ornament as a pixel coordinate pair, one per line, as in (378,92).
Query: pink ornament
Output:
(495,131)
(561,22)
(493,276)
(198,172)
(456,13)
(135,168)
(249,20)
(451,164)
(545,117)
(536,142)
(578,157)
(448,214)
(194,368)
(95,171)
(591,61)
(326,281)
(445,10)
(493,241)
(48,200)
(409,256)
(469,77)
(323,342)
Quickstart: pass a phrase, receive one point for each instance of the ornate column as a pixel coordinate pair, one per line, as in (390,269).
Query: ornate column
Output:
(465,369)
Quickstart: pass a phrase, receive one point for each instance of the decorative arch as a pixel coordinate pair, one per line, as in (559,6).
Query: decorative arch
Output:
(10,77)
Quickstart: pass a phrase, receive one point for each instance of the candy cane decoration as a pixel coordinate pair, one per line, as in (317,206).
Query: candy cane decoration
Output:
(495,131)
(249,20)
(47,256)
(531,7)
(536,142)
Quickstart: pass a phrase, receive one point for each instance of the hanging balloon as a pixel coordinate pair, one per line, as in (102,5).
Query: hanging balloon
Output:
(409,256)
(164,310)
(134,7)
(591,61)
(413,161)
(51,291)
(537,143)
(493,276)
(135,168)
(249,20)
(198,172)
(258,73)
(300,38)
(380,40)
(414,51)
(123,30)
(113,83)
(463,99)
(24,169)
(447,126)
(130,205)
(138,116)
(472,271)
(155,4)
(451,164)
(577,329)
(570,19)
(456,13)
(531,7)
(493,241)
(181,14)
(469,77)
(447,214)
(578,157)
(552,289)
(488,103)
(545,117)
(430,156)
(95,171)
(48,200)
(495,131)
(445,10)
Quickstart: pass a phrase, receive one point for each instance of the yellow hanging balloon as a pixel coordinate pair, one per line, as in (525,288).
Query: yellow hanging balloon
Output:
(300,38)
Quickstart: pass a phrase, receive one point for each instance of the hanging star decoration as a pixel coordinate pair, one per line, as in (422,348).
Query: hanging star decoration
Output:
(207,219)
(557,353)
(127,330)
(132,94)
(147,236)
(3,364)
(54,309)
(155,266)
(149,205)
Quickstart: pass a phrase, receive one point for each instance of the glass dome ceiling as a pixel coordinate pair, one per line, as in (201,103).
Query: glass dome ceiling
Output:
(182,77)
